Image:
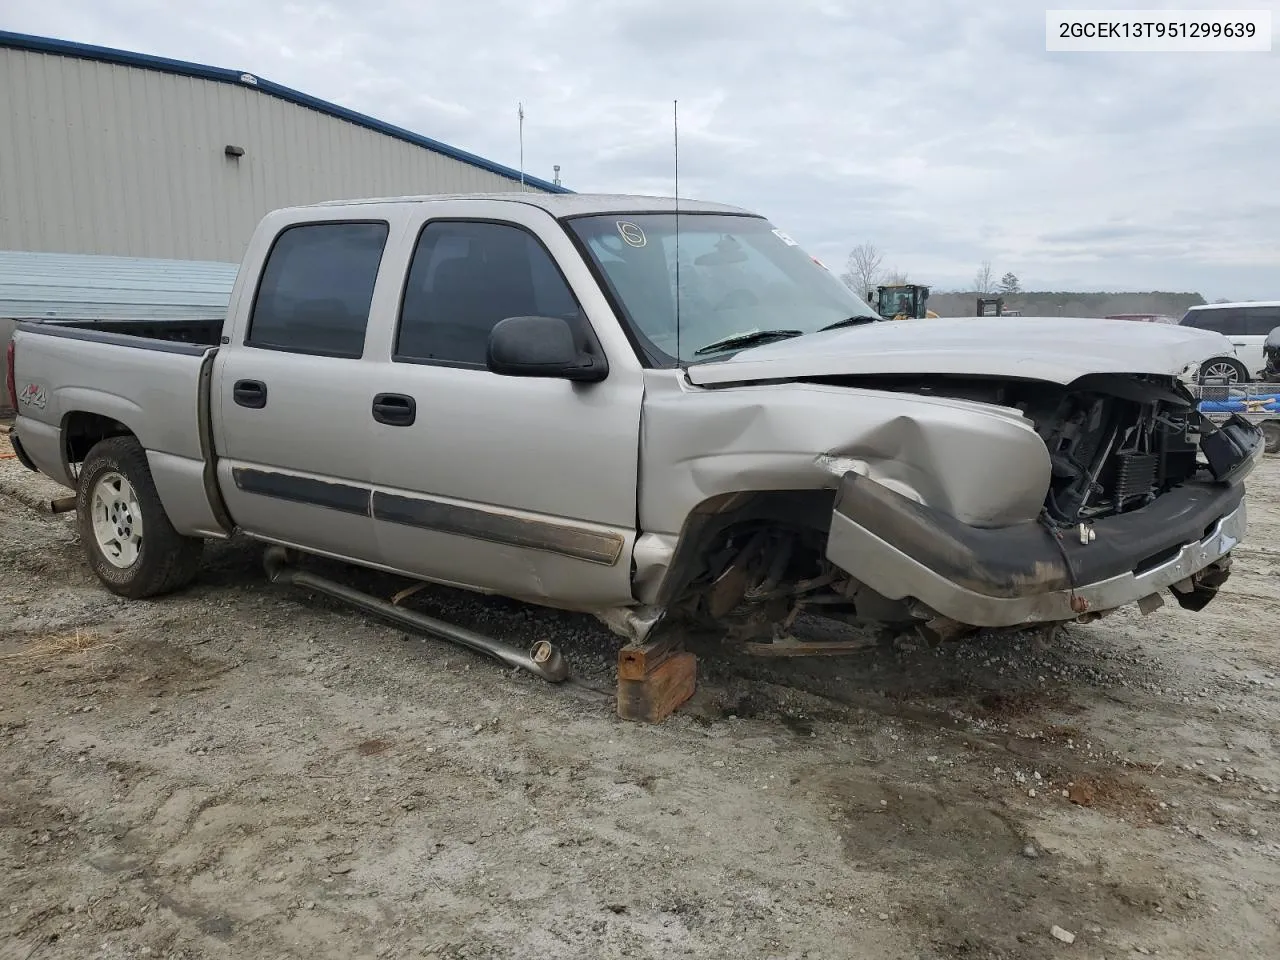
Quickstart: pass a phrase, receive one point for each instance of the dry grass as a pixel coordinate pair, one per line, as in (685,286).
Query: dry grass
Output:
(57,646)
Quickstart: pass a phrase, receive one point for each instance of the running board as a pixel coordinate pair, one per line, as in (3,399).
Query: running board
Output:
(543,659)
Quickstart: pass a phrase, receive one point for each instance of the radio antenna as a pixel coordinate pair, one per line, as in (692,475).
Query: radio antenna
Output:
(675,142)
(520,114)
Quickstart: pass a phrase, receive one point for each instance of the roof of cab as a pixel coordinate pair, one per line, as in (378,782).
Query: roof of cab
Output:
(565,204)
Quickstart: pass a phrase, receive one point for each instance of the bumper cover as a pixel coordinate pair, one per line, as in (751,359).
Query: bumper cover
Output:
(19,452)
(1021,574)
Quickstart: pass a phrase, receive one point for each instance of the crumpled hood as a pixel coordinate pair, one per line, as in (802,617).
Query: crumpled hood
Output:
(1054,349)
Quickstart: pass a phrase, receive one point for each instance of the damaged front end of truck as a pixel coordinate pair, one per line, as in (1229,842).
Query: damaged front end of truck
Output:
(955,500)
(1145,495)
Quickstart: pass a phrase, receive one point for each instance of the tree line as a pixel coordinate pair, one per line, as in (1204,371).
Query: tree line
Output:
(864,270)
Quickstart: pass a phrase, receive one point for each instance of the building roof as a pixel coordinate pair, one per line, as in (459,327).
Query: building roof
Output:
(60,285)
(565,205)
(144,61)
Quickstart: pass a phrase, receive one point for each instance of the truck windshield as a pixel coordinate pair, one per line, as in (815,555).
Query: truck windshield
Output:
(738,277)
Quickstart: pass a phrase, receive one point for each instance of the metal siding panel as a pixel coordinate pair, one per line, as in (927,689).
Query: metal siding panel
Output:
(146,146)
(104,158)
(113,99)
(212,142)
(103,162)
(195,182)
(70,136)
(12,157)
(341,169)
(52,163)
(243,177)
(174,129)
(272,113)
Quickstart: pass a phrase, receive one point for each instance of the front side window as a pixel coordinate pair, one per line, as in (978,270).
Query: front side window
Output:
(738,276)
(316,289)
(467,276)
(1227,320)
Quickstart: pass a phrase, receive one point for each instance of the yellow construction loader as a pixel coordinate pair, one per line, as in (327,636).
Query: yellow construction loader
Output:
(901,301)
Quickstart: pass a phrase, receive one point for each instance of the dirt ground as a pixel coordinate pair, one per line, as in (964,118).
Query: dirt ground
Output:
(244,771)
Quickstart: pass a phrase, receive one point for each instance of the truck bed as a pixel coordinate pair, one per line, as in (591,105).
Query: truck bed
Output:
(79,382)
(206,331)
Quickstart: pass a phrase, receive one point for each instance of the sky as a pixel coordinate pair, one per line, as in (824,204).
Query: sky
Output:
(941,132)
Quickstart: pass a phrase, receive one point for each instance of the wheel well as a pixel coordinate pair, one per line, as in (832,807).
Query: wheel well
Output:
(711,521)
(81,430)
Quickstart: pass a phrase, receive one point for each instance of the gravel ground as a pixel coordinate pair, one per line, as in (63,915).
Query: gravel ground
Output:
(241,770)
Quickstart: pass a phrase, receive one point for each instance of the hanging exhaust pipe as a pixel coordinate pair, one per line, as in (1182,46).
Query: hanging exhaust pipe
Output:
(543,659)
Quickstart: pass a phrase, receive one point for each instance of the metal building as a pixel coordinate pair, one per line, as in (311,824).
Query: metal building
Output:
(104,151)
(84,287)
(75,286)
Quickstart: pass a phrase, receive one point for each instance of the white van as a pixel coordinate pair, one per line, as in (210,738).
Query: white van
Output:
(1246,325)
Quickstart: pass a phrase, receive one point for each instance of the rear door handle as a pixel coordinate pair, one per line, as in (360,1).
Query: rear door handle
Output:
(250,393)
(395,409)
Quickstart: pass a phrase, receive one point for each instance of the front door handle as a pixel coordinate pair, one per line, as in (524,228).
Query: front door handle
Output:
(395,409)
(250,393)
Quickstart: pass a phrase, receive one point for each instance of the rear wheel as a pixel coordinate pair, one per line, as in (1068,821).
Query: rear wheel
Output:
(1223,368)
(127,537)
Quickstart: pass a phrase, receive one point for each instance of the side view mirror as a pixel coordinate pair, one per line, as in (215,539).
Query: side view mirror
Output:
(541,347)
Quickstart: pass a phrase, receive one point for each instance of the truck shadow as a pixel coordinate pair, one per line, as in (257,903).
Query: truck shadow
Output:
(987,678)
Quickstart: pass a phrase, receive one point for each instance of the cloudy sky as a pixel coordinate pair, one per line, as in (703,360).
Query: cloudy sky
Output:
(940,131)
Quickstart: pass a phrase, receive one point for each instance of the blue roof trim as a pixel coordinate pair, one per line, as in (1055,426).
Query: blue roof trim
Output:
(145,61)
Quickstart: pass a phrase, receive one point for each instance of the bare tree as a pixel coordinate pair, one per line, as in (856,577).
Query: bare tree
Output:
(862,269)
(985,280)
(895,277)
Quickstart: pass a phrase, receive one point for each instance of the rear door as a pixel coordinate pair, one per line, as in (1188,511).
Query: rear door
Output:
(292,418)
(1258,322)
(520,486)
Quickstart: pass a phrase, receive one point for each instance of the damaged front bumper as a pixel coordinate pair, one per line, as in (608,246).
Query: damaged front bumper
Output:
(1023,574)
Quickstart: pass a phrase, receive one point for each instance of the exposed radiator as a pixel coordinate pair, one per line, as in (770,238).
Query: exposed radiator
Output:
(1135,474)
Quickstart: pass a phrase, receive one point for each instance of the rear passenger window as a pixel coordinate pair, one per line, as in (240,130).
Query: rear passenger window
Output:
(316,289)
(1260,321)
(464,278)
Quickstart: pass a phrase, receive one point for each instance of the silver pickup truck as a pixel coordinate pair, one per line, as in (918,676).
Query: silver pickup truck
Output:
(642,410)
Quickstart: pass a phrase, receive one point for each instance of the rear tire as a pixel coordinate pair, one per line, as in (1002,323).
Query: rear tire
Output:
(128,539)
(1233,370)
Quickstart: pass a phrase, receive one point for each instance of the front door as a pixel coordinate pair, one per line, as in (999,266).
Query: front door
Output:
(292,415)
(519,486)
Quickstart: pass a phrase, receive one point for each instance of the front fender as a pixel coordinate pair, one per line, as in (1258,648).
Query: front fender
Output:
(983,465)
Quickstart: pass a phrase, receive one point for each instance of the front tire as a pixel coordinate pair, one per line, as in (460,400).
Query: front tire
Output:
(128,539)
(1224,367)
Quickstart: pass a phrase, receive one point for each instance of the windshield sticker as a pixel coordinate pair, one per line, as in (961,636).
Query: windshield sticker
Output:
(631,233)
(784,238)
